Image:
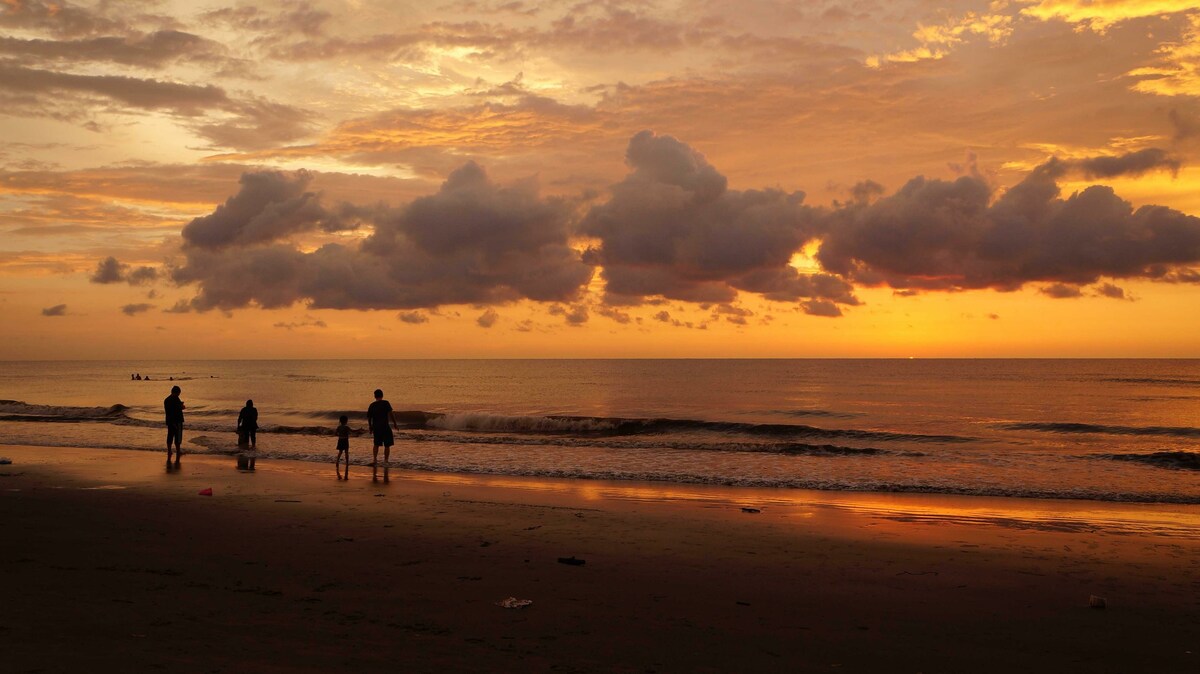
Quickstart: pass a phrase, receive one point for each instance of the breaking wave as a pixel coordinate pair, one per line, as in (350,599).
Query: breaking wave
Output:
(1161,381)
(1178,460)
(1067,427)
(475,422)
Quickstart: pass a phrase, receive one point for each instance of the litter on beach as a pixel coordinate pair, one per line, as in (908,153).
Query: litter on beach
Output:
(572,561)
(5,462)
(513,602)
(206,492)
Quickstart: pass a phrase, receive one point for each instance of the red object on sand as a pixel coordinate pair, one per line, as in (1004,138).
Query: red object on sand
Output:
(206,492)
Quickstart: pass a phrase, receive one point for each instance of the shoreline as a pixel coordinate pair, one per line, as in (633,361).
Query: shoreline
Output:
(109,546)
(1183,503)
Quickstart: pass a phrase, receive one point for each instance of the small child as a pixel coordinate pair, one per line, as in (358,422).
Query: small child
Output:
(343,445)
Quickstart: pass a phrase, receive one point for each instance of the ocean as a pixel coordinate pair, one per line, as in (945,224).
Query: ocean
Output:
(1105,430)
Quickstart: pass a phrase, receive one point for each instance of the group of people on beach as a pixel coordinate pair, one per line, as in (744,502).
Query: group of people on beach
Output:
(381,419)
(379,415)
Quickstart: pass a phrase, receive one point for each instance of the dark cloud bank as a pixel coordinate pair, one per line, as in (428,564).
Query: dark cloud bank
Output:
(674,230)
(958,235)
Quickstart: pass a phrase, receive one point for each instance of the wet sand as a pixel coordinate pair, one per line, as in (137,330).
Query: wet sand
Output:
(112,563)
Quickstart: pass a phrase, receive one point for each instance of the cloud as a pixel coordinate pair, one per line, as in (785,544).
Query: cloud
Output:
(1100,16)
(134,309)
(732,314)
(1176,70)
(144,94)
(575,316)
(110,270)
(615,314)
(487,319)
(303,324)
(673,229)
(60,18)
(301,34)
(472,242)
(293,18)
(952,235)
(146,50)
(1185,120)
(413,317)
(819,307)
(207,110)
(1129,164)
(1112,292)
(271,205)
(523,130)
(1061,291)
(56,310)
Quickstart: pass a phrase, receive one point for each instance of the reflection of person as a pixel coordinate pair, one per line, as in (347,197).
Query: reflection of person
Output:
(378,415)
(343,445)
(173,407)
(247,424)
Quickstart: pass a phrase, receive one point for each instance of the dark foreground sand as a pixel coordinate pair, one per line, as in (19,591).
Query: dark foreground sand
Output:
(109,563)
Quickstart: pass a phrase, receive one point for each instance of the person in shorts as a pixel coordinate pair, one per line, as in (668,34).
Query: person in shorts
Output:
(173,407)
(378,415)
(343,446)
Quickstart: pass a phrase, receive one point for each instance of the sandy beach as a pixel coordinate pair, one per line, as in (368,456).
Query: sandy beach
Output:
(112,563)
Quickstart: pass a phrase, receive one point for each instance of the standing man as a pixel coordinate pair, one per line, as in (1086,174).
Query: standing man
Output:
(173,407)
(378,415)
(247,425)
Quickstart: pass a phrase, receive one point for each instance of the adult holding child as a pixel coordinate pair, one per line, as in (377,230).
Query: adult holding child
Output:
(378,415)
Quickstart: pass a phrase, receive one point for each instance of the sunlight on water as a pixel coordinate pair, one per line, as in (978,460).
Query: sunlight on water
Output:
(1086,429)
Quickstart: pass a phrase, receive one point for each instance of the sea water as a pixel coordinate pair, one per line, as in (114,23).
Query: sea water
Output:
(1110,430)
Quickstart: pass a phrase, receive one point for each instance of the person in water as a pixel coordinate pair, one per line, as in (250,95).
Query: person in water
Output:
(378,415)
(343,446)
(247,424)
(173,407)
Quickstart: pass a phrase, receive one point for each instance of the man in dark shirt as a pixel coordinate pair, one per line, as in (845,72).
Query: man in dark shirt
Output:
(247,424)
(378,415)
(173,407)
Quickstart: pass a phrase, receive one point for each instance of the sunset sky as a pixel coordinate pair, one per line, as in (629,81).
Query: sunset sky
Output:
(496,178)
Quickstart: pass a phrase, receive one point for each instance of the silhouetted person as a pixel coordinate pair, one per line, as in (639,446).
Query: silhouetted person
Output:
(247,424)
(173,407)
(137,377)
(378,415)
(343,445)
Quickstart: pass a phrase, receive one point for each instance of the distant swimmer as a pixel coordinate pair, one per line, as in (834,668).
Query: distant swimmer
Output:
(343,446)
(247,424)
(378,415)
(173,407)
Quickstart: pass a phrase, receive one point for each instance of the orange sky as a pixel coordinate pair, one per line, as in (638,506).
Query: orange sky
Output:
(485,178)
